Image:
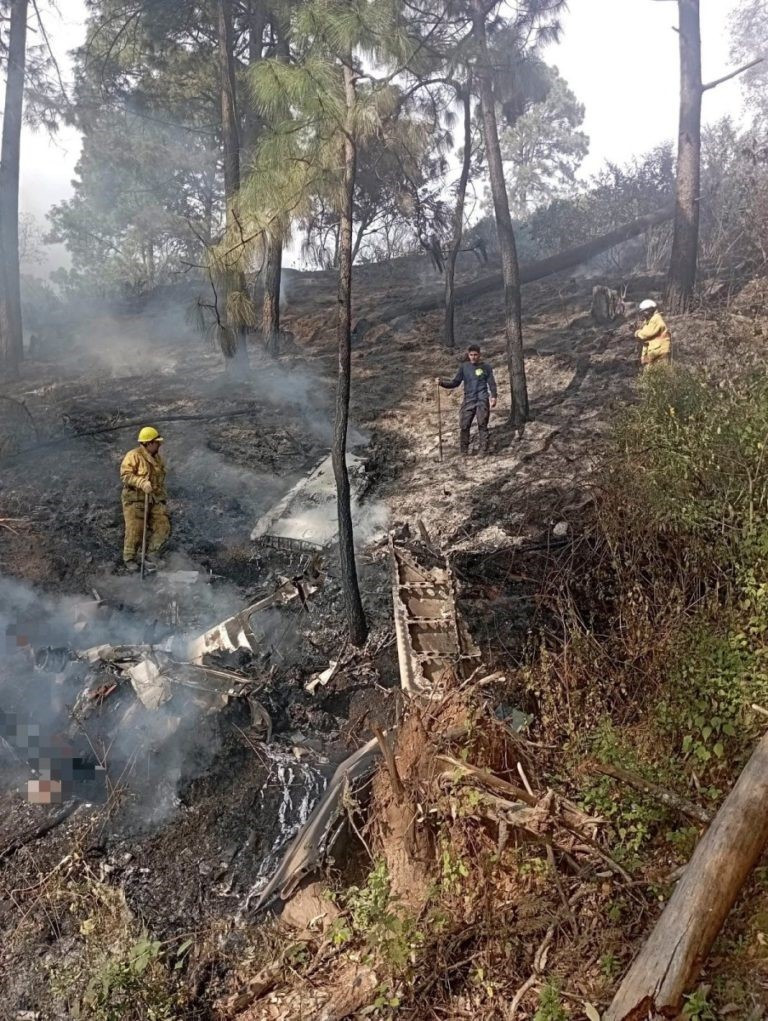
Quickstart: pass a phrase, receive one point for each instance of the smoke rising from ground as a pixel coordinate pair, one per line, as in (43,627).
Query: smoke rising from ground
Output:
(42,679)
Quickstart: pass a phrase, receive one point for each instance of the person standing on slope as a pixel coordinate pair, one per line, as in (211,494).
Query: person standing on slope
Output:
(143,476)
(480,394)
(653,335)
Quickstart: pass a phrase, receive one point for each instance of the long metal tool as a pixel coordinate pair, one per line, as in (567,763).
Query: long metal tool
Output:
(144,535)
(439,424)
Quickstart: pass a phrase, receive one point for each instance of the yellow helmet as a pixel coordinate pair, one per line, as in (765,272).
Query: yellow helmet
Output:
(149,433)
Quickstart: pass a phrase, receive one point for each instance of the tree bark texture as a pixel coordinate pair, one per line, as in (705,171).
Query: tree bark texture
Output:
(257,21)
(558,263)
(272,282)
(668,964)
(235,347)
(270,313)
(11,332)
(356,622)
(685,242)
(229,126)
(509,265)
(458,225)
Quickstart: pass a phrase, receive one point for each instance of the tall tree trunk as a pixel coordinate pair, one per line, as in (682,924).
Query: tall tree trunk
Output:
(273,275)
(257,20)
(11,335)
(270,320)
(356,622)
(234,343)
(685,243)
(458,223)
(509,265)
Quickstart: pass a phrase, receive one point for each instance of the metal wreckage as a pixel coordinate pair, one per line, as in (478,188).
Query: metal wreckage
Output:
(175,679)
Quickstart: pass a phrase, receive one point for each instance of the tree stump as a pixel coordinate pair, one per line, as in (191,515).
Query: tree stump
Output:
(607,304)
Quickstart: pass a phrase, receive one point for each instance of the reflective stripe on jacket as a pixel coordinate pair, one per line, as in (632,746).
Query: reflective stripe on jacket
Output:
(655,336)
(138,464)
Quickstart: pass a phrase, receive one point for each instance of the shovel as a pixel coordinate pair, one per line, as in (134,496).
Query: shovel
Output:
(144,536)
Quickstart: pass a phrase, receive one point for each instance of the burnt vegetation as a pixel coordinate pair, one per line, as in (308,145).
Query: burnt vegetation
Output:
(385,731)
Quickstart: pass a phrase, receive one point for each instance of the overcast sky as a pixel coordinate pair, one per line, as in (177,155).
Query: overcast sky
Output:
(619,56)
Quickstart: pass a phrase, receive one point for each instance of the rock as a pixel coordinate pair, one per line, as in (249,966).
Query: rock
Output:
(560,530)
(310,911)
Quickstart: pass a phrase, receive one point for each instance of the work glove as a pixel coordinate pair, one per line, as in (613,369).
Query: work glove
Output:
(146,487)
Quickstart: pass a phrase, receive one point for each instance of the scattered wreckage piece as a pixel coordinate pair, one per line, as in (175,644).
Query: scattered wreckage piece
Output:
(324,677)
(315,839)
(155,676)
(434,647)
(236,632)
(306,515)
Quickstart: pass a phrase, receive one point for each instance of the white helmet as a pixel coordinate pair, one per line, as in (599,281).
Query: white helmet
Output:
(647,305)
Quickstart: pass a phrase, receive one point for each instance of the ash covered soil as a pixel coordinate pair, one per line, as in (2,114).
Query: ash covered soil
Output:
(185,843)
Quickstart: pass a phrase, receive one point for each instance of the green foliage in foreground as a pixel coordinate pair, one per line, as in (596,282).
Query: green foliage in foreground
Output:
(665,646)
(695,488)
(694,467)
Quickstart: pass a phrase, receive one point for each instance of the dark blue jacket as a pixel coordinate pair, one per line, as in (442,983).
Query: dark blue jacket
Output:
(478,380)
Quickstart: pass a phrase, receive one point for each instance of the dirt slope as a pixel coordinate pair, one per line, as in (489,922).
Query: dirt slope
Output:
(65,535)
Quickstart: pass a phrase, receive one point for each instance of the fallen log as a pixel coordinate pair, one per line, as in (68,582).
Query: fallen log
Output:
(662,794)
(530,272)
(669,962)
(134,423)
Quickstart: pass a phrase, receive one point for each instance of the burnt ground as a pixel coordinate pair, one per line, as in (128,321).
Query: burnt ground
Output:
(188,868)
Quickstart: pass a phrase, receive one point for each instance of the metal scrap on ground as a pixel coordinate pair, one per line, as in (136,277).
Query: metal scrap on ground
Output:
(236,632)
(434,646)
(435,650)
(306,515)
(312,844)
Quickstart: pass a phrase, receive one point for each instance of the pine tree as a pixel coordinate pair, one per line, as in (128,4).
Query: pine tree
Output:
(11,337)
(532,22)
(334,106)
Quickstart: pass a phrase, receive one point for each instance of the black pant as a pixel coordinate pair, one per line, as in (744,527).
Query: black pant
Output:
(480,410)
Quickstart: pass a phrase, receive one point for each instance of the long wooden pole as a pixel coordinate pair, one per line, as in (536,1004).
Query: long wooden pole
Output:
(668,964)
(439,424)
(144,536)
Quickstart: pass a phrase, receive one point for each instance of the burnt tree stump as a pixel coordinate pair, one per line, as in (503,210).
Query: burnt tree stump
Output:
(607,304)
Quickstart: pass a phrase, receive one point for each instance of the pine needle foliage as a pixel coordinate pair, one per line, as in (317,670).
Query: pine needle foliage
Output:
(301,157)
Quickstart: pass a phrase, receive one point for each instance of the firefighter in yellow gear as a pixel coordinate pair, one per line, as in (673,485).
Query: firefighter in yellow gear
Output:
(143,475)
(653,335)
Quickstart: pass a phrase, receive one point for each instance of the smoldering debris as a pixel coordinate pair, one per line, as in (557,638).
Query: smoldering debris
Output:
(237,632)
(306,515)
(82,711)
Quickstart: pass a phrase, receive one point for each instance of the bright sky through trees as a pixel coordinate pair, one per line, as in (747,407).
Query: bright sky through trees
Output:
(620,57)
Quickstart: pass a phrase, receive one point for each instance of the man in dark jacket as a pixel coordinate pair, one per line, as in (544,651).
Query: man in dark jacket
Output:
(479,397)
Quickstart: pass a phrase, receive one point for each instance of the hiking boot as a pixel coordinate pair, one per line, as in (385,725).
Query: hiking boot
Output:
(131,566)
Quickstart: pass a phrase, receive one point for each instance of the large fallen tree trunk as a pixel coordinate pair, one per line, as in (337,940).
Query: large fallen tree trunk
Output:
(669,962)
(532,271)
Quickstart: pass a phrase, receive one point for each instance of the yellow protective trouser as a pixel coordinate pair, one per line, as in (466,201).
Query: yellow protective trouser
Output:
(654,357)
(158,528)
